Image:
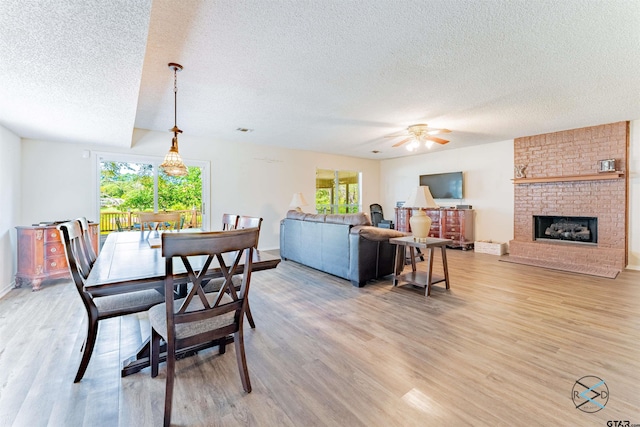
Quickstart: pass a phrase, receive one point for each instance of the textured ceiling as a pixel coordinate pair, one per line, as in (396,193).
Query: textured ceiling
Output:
(329,76)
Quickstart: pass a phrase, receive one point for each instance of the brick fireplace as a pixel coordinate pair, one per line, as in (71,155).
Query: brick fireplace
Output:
(563,180)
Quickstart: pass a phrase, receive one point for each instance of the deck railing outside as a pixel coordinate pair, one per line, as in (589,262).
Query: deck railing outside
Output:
(124,221)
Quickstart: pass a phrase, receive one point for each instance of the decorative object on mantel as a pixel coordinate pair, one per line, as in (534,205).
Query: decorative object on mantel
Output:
(608,165)
(173,165)
(420,222)
(519,169)
(298,201)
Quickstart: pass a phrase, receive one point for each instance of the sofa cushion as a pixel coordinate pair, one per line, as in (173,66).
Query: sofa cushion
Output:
(299,215)
(360,218)
(377,234)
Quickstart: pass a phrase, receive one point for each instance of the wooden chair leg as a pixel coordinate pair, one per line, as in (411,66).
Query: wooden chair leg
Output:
(249,316)
(89,344)
(168,396)
(154,357)
(238,340)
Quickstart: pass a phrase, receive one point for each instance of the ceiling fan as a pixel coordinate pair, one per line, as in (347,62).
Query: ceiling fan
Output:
(418,134)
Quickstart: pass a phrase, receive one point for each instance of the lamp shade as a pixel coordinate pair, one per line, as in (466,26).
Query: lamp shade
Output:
(297,201)
(420,222)
(421,198)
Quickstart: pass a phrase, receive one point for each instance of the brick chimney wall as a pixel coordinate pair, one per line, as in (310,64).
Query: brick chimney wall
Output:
(569,153)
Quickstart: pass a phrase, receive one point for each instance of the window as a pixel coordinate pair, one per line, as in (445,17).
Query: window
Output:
(132,184)
(337,191)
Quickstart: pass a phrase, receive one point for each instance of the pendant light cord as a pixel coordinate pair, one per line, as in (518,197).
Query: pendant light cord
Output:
(175,97)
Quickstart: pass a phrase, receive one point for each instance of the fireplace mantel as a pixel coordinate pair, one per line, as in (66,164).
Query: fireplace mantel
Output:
(567,178)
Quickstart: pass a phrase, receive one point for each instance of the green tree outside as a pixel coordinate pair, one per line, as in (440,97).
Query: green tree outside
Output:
(130,186)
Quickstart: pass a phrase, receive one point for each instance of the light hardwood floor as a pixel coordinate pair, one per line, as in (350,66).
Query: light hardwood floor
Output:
(503,347)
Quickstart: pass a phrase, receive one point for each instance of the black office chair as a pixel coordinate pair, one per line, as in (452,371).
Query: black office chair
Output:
(377,217)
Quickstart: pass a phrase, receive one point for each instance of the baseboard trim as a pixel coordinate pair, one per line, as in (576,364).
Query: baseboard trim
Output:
(6,289)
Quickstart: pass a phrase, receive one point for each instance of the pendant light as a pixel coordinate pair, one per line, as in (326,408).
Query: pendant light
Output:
(173,165)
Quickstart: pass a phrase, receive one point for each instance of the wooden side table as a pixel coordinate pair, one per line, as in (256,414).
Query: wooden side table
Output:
(414,277)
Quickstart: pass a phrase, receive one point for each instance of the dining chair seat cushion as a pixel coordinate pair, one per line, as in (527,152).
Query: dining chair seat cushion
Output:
(214,285)
(139,299)
(158,317)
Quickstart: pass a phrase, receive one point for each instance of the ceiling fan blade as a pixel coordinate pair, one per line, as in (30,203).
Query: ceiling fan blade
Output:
(438,140)
(439,131)
(395,135)
(397,144)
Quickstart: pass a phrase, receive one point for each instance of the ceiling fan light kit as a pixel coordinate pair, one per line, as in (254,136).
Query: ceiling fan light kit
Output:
(421,134)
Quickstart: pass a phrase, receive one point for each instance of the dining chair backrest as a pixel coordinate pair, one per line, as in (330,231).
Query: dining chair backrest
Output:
(88,244)
(202,317)
(74,249)
(237,244)
(229,222)
(250,222)
(154,221)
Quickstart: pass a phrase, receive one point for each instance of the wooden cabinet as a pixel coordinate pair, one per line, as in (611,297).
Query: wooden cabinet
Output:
(454,224)
(41,254)
(457,225)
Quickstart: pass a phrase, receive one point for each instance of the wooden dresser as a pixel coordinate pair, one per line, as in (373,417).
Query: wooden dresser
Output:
(454,224)
(41,254)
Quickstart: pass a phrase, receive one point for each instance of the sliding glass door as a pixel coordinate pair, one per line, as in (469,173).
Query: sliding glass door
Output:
(337,191)
(132,184)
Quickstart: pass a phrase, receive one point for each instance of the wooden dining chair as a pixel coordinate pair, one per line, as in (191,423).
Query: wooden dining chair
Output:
(101,307)
(202,317)
(244,222)
(250,222)
(229,222)
(90,253)
(160,220)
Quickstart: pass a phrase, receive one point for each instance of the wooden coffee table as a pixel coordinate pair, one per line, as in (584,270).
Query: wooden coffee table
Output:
(419,278)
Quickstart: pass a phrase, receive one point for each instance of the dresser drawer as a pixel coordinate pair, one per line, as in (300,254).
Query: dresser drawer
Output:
(55,264)
(51,235)
(53,249)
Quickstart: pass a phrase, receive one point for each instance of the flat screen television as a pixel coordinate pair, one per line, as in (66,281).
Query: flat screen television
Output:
(444,185)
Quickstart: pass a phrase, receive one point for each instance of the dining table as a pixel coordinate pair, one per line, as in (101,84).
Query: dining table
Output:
(131,261)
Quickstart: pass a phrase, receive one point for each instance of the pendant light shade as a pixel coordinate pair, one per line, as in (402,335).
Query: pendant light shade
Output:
(173,165)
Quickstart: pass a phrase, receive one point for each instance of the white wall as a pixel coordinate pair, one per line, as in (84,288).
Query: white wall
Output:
(245,178)
(9,206)
(487,171)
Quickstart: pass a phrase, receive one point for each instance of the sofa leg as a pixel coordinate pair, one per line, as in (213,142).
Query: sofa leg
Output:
(358,284)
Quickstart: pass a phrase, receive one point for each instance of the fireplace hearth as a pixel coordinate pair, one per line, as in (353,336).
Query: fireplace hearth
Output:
(568,229)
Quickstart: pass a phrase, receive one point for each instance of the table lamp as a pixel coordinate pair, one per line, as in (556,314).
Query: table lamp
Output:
(297,201)
(420,222)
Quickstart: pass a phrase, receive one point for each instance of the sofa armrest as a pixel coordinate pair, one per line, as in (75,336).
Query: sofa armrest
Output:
(371,254)
(376,233)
